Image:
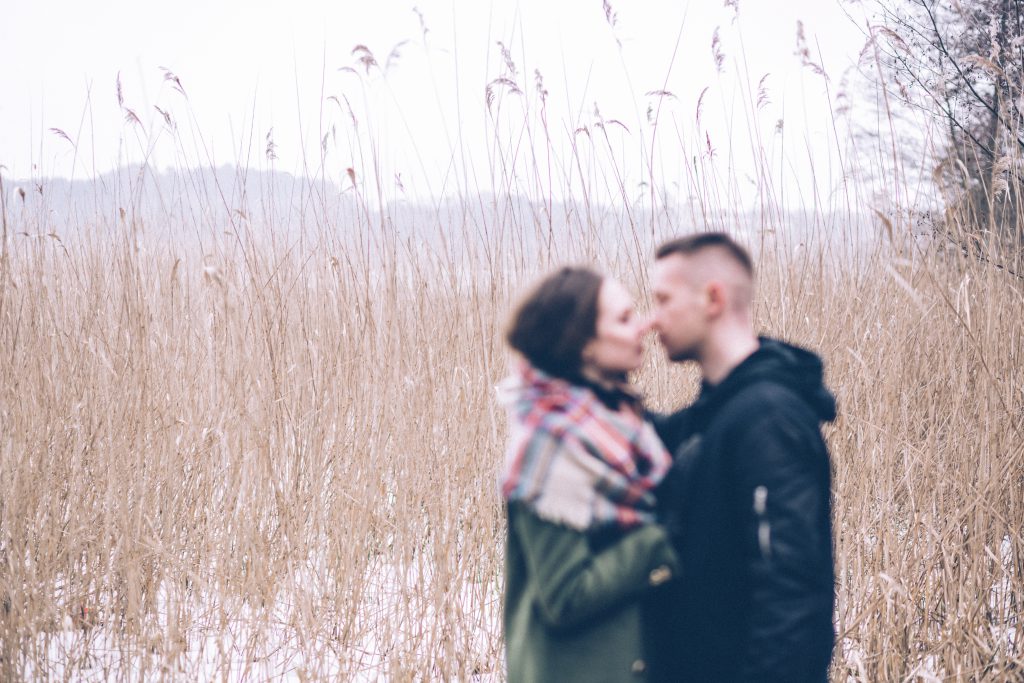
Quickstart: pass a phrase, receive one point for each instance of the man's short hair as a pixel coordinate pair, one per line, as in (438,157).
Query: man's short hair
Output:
(697,242)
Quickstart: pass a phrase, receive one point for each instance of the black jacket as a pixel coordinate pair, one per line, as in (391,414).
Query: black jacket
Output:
(748,504)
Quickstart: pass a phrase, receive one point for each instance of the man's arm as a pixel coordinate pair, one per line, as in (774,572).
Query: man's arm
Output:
(669,427)
(782,498)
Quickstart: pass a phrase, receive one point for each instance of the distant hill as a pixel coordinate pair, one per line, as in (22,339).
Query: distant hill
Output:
(208,207)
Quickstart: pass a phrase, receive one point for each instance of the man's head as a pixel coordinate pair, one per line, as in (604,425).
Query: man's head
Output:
(703,287)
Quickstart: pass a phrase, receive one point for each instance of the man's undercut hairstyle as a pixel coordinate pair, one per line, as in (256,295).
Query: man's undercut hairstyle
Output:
(556,320)
(697,242)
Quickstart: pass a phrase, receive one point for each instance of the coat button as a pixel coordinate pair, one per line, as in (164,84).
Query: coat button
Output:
(660,575)
(639,666)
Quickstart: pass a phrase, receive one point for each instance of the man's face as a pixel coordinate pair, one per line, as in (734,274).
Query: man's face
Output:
(678,314)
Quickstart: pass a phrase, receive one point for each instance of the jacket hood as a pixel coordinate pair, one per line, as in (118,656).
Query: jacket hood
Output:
(776,361)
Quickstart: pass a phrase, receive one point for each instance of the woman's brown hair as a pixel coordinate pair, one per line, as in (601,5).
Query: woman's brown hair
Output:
(555,320)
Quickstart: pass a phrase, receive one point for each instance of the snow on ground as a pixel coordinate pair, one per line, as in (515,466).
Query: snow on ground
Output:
(397,629)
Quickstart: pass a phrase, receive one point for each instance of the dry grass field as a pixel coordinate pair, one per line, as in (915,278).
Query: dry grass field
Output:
(231,451)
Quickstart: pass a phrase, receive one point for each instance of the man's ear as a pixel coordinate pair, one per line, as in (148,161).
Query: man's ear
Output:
(715,296)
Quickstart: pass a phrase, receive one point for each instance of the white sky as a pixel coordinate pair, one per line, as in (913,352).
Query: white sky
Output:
(249,67)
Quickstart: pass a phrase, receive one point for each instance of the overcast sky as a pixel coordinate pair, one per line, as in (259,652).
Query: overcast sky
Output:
(251,69)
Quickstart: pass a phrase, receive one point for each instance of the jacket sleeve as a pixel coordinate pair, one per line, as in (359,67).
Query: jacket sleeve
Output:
(573,582)
(668,426)
(781,498)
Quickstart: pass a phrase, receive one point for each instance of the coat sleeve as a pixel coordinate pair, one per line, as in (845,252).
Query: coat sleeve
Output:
(668,426)
(782,500)
(574,583)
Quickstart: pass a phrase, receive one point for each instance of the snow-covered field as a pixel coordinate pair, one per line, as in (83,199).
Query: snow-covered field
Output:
(299,638)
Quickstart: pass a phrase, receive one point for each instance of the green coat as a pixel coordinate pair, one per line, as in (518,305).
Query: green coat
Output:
(573,613)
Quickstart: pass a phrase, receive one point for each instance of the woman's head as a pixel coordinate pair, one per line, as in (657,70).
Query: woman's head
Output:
(574,323)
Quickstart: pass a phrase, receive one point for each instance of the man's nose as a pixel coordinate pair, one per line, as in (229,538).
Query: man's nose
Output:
(649,324)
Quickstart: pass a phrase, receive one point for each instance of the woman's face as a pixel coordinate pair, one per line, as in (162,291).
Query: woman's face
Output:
(616,347)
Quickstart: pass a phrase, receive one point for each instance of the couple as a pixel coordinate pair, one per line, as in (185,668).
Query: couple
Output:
(695,546)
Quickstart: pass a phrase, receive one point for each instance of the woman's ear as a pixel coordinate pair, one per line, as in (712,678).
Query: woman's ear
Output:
(587,354)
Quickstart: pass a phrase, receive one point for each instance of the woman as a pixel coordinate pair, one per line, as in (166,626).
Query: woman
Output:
(582,464)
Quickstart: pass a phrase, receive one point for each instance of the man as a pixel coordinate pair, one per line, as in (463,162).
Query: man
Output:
(748,500)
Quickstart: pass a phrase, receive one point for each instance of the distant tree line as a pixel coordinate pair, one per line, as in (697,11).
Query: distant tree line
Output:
(962,61)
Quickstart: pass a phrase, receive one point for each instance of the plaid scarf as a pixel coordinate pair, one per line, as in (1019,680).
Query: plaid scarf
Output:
(574,460)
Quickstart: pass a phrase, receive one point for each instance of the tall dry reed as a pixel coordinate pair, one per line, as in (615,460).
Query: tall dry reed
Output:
(243,440)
